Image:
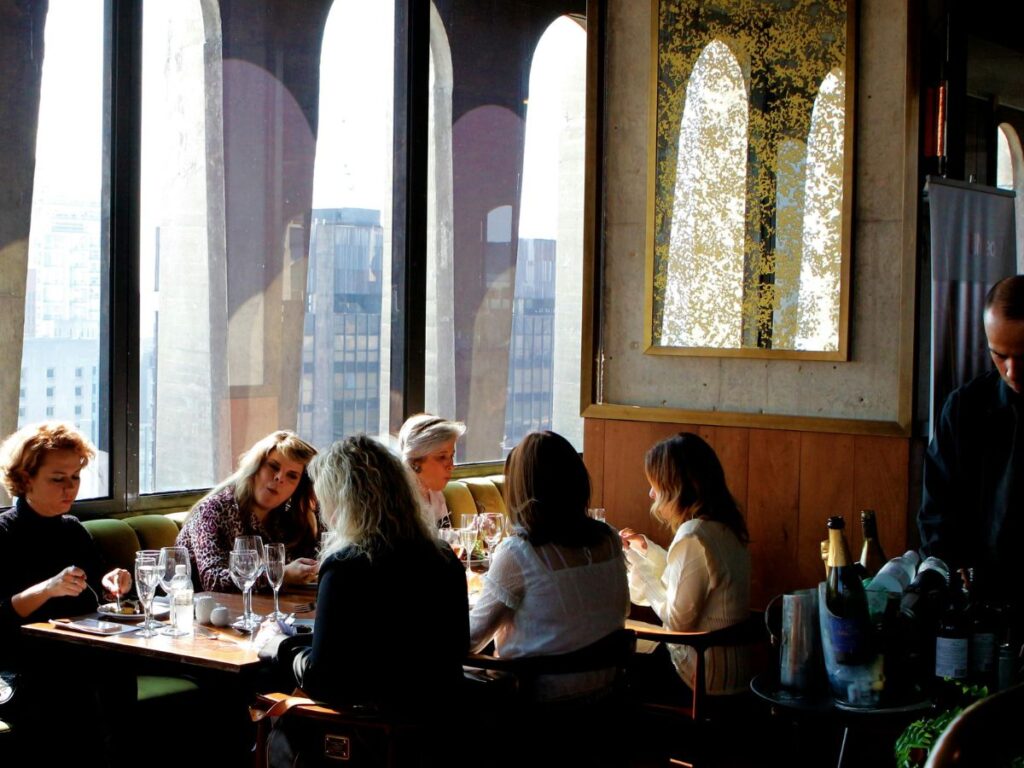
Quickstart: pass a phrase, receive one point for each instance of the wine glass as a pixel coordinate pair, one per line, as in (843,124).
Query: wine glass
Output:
(468,537)
(453,538)
(147,577)
(170,558)
(254,543)
(492,529)
(244,565)
(275,555)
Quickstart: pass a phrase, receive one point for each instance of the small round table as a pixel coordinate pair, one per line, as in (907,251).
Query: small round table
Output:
(820,703)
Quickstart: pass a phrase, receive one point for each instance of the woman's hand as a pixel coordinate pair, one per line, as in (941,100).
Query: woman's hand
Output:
(70,582)
(630,537)
(302,570)
(117,582)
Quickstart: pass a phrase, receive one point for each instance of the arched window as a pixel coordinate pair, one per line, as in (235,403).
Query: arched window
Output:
(704,289)
(544,351)
(820,270)
(345,361)
(181,250)
(1010,175)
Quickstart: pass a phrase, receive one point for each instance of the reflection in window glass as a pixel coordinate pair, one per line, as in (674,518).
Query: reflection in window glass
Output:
(181,246)
(346,334)
(704,287)
(1004,159)
(63,302)
(505,224)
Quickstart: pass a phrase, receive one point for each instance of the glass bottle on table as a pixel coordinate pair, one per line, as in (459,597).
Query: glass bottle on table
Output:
(872,558)
(182,608)
(169,560)
(846,600)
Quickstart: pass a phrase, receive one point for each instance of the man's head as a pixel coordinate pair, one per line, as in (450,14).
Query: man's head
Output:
(1004,329)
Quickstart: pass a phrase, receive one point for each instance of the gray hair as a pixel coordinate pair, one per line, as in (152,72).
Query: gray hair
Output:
(424,433)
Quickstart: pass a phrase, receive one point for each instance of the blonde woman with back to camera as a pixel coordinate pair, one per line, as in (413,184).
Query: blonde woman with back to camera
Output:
(427,445)
(269,495)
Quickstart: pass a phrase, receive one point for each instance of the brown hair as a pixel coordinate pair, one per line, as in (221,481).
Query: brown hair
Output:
(547,490)
(22,453)
(1006,298)
(689,482)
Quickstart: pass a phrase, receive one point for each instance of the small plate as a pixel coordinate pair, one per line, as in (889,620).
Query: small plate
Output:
(109,610)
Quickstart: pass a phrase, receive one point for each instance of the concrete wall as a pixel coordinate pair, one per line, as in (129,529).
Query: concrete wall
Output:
(874,384)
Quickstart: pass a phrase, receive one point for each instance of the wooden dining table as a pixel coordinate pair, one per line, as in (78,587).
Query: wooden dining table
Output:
(209,647)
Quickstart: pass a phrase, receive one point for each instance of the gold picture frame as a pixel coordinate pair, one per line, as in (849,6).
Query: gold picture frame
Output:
(750,168)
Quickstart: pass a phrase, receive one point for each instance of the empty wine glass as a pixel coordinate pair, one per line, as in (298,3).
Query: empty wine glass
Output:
(275,561)
(468,537)
(254,543)
(244,565)
(170,558)
(492,528)
(147,577)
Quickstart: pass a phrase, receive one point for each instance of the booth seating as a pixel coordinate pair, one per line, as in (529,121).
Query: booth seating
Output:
(118,541)
(472,495)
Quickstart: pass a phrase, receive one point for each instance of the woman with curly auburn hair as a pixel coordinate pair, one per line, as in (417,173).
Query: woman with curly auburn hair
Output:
(51,568)
(269,495)
(702,582)
(383,574)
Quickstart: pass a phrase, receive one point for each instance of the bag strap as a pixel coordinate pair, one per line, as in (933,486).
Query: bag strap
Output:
(277,704)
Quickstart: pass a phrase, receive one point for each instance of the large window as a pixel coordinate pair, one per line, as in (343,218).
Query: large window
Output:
(320,216)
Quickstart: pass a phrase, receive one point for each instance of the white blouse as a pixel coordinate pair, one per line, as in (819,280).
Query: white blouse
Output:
(701,583)
(552,600)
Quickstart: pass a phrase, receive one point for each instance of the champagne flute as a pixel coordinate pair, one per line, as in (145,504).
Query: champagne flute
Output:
(170,558)
(468,537)
(275,555)
(254,543)
(244,565)
(147,577)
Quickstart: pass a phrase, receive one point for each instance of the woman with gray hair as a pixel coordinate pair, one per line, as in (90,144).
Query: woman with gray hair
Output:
(427,444)
(383,575)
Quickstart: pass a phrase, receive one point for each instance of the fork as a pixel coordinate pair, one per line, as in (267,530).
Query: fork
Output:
(304,607)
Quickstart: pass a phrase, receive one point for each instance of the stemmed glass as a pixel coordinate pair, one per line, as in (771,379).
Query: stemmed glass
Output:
(275,558)
(453,538)
(245,569)
(468,536)
(492,528)
(147,577)
(170,558)
(254,543)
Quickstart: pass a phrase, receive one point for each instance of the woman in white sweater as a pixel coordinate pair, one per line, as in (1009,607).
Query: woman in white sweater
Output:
(702,582)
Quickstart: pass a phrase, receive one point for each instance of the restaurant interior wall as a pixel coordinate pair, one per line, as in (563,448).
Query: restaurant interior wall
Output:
(800,440)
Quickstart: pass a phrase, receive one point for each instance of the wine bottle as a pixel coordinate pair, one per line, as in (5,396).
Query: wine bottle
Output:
(922,598)
(952,640)
(872,558)
(983,623)
(846,601)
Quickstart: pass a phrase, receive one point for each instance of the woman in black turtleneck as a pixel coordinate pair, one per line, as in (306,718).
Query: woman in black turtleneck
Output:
(47,562)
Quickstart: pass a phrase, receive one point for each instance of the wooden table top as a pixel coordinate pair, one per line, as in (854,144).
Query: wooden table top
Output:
(220,648)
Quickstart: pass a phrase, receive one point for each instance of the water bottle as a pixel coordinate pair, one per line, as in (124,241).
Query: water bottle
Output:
(896,575)
(181,601)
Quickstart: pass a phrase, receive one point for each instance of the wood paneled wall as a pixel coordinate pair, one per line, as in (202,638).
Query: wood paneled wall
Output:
(788,483)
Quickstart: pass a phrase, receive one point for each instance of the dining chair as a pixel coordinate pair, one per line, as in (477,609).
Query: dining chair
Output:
(706,716)
(986,733)
(584,730)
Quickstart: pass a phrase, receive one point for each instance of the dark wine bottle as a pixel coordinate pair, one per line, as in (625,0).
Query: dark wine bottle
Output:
(983,620)
(846,601)
(872,558)
(953,638)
